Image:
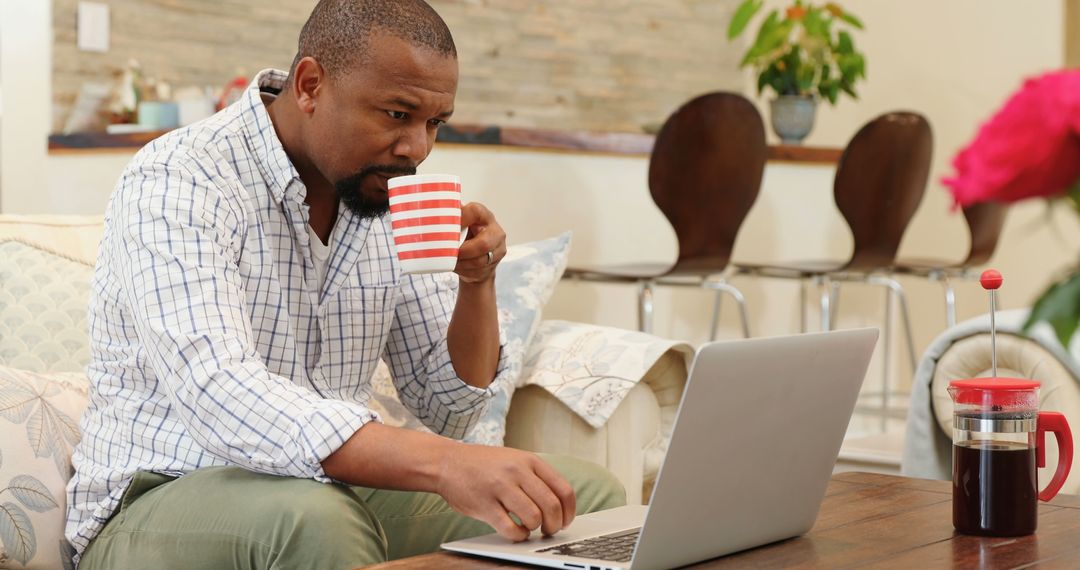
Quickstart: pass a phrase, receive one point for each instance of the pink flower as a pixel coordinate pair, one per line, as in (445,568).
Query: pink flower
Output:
(1030,148)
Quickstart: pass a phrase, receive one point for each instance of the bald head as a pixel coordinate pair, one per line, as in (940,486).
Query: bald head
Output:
(338,31)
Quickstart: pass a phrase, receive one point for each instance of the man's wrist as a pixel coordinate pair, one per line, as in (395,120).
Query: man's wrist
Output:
(444,455)
(485,283)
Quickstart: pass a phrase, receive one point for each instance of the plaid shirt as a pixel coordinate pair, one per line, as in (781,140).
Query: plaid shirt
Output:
(212,341)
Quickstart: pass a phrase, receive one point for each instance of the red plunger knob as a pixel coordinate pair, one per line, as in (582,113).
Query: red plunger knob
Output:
(990,279)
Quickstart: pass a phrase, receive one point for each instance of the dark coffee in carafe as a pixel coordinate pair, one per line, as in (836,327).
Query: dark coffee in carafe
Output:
(994,488)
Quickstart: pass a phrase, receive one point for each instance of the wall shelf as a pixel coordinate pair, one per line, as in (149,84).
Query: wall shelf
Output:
(571,141)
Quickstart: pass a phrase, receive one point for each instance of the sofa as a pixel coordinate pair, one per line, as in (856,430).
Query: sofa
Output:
(964,351)
(45,263)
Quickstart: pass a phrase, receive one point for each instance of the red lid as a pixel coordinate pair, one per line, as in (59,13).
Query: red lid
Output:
(1005,392)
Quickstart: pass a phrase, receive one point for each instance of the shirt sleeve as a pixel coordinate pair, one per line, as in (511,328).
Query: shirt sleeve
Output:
(419,358)
(180,239)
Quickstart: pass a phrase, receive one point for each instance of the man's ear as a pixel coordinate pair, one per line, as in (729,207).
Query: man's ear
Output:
(307,84)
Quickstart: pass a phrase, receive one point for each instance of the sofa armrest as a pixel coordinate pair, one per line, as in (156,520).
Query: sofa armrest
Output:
(1018,357)
(631,444)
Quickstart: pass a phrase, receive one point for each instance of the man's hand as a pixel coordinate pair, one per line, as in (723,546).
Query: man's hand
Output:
(490,483)
(474,264)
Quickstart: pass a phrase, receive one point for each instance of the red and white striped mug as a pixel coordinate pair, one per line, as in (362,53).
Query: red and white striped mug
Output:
(425,217)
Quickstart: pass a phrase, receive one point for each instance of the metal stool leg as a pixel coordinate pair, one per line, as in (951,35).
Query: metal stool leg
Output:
(886,358)
(834,302)
(802,305)
(740,300)
(950,303)
(645,306)
(824,287)
(714,326)
(894,289)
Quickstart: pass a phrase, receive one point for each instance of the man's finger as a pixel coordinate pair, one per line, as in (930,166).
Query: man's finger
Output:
(500,520)
(549,504)
(489,238)
(520,504)
(475,213)
(560,487)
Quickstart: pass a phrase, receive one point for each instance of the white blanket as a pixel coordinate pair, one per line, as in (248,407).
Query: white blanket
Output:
(927,449)
(591,368)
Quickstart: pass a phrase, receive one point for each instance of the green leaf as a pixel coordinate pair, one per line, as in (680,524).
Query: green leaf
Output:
(742,17)
(776,37)
(1060,307)
(851,19)
(815,25)
(804,77)
(844,43)
(829,91)
(763,38)
(764,78)
(1073,195)
(849,65)
(779,85)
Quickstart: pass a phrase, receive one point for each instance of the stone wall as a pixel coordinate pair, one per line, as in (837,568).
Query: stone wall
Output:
(608,65)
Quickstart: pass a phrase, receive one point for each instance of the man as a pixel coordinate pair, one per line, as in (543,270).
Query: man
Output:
(238,314)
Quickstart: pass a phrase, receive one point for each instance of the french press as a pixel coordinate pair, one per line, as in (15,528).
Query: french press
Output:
(998,442)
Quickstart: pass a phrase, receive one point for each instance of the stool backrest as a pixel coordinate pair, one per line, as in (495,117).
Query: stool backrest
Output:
(984,221)
(880,180)
(704,175)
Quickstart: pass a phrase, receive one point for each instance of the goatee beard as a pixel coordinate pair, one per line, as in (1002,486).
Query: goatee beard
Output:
(348,190)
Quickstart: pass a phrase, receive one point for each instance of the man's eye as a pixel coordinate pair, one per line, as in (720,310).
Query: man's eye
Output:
(437,122)
(398,115)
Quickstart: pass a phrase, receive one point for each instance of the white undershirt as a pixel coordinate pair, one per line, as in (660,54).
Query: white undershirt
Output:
(320,254)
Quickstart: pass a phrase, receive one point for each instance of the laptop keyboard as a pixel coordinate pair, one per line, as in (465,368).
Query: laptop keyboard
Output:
(616,547)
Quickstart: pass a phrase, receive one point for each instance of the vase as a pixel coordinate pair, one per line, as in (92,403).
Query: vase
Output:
(792,117)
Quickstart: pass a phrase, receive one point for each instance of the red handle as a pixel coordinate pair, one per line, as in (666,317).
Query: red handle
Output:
(1056,423)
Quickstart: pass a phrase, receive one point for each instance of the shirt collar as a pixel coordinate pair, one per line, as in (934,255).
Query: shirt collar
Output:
(268,153)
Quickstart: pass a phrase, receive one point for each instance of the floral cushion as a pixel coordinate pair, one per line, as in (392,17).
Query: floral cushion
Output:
(43,301)
(526,278)
(591,368)
(39,415)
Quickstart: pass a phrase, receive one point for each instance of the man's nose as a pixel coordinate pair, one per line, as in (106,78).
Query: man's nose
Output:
(413,144)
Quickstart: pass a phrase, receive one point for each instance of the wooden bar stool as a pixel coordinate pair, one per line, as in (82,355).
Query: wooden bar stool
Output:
(880,180)
(984,222)
(704,175)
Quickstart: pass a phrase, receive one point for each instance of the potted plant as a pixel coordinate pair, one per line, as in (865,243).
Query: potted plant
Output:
(802,55)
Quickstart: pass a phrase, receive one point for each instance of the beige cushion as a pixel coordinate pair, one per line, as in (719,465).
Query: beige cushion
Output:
(1018,357)
(43,302)
(75,237)
(39,421)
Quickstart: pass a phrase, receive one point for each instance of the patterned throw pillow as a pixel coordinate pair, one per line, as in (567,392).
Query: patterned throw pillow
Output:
(39,420)
(526,278)
(43,302)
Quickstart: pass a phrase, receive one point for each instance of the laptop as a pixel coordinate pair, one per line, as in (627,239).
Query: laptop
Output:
(754,444)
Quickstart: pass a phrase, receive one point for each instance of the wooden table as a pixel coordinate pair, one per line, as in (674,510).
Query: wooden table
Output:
(881,521)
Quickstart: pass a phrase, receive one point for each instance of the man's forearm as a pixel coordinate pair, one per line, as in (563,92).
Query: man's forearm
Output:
(473,337)
(385,457)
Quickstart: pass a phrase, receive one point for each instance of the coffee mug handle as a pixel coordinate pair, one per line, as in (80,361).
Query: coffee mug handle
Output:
(1053,422)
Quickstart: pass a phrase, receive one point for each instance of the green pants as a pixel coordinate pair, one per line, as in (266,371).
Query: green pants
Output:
(227,517)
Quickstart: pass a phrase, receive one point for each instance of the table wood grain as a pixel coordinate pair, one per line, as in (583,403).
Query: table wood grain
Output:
(880,521)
